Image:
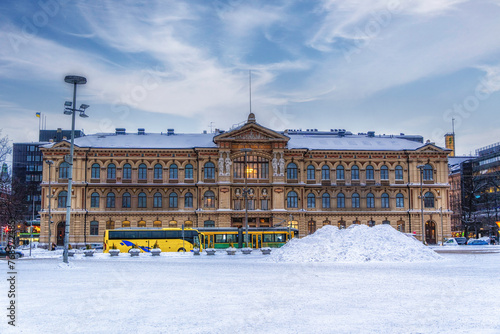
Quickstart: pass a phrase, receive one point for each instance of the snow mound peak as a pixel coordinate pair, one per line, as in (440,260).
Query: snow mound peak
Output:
(358,243)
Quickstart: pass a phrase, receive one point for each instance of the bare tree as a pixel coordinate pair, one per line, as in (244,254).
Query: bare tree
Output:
(5,148)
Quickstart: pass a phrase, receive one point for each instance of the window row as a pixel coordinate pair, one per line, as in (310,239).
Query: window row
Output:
(293,200)
(141,200)
(355,175)
(142,172)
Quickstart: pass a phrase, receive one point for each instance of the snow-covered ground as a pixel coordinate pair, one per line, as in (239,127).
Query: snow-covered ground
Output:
(182,293)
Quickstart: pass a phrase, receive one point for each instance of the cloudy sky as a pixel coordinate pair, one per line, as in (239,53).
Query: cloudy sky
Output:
(389,66)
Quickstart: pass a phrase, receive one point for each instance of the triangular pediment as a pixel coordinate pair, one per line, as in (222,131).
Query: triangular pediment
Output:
(62,144)
(431,148)
(251,131)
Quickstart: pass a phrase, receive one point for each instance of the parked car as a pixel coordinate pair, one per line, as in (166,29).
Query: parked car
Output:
(451,242)
(477,242)
(17,254)
(461,240)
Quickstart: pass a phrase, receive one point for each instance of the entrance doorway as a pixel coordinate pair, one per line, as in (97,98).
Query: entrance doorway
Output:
(60,233)
(430,232)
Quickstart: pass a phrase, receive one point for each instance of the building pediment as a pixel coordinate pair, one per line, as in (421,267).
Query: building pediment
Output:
(431,148)
(251,131)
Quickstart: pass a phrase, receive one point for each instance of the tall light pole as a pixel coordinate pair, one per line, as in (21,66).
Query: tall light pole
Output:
(421,168)
(49,196)
(245,193)
(71,110)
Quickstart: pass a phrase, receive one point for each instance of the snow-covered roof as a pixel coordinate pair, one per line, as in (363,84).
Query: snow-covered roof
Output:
(352,142)
(148,140)
(297,141)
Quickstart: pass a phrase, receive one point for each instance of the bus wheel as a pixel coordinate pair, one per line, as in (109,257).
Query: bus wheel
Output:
(181,250)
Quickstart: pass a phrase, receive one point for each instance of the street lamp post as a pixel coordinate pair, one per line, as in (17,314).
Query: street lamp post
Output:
(421,168)
(49,196)
(245,193)
(71,110)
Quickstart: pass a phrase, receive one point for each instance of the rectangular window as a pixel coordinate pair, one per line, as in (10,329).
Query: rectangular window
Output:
(263,204)
(251,204)
(237,204)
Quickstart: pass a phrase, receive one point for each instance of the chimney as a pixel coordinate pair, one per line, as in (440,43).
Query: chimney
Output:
(141,131)
(170,132)
(120,131)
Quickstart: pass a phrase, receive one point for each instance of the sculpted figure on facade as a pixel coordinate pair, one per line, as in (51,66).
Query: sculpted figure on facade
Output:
(228,164)
(282,165)
(221,165)
(275,165)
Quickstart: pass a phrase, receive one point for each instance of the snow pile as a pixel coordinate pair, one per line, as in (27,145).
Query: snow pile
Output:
(358,243)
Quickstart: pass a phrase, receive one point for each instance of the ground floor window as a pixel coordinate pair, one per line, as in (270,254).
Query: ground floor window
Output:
(208,223)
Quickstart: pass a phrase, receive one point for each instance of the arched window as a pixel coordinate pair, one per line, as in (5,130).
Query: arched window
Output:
(126,200)
(429,200)
(209,199)
(384,173)
(62,198)
(173,200)
(158,172)
(311,227)
(208,223)
(311,172)
(173,172)
(157,223)
(291,171)
(94,228)
(63,170)
(369,173)
(157,200)
(428,173)
(399,173)
(325,200)
(256,167)
(143,172)
(209,170)
(400,201)
(370,201)
(127,172)
(95,171)
(340,172)
(292,200)
(141,223)
(355,200)
(311,201)
(125,223)
(94,200)
(385,201)
(111,171)
(110,225)
(188,200)
(354,172)
(110,200)
(325,172)
(142,200)
(340,200)
(188,171)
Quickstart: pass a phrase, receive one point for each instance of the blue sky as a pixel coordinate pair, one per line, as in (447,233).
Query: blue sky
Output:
(388,66)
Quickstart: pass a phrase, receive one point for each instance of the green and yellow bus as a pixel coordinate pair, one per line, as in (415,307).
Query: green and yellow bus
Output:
(168,239)
(258,237)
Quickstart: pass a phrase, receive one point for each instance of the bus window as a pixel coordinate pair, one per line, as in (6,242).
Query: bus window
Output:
(232,238)
(220,238)
(268,238)
(280,237)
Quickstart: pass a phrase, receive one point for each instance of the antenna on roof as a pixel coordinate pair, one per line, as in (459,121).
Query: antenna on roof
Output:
(250,87)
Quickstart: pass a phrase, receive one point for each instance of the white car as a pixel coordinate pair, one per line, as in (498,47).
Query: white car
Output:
(450,242)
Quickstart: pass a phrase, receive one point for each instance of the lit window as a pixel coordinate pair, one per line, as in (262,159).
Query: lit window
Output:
(209,199)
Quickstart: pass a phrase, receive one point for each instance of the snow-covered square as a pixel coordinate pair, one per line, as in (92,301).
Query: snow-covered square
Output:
(453,292)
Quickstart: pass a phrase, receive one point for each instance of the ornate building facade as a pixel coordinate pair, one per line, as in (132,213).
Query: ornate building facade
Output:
(306,178)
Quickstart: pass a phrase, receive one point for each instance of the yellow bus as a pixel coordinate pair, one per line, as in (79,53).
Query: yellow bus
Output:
(168,239)
(258,237)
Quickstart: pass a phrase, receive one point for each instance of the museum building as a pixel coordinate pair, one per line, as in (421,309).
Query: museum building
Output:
(304,178)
